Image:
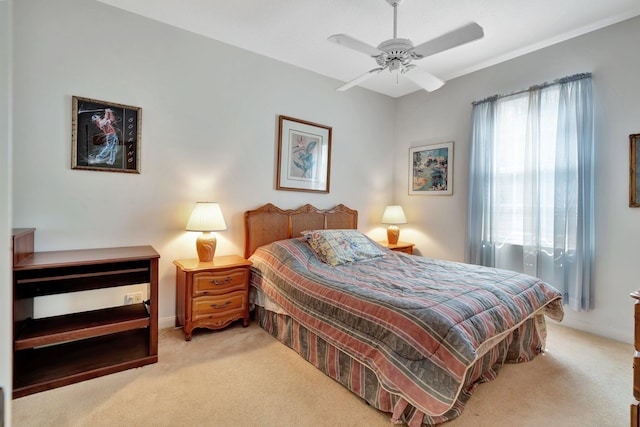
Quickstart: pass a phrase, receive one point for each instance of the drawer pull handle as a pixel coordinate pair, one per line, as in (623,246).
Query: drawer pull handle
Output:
(221,282)
(221,306)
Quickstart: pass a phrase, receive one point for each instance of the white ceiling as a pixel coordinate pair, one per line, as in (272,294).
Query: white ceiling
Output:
(296,31)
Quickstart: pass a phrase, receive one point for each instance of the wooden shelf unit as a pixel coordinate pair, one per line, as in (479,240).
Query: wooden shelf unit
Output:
(55,351)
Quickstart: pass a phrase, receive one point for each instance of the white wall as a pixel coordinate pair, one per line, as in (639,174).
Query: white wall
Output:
(209,132)
(6,306)
(610,54)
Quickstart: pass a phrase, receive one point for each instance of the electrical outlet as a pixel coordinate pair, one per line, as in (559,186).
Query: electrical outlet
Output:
(133,298)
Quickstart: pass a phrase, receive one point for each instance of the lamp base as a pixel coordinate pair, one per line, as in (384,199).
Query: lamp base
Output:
(393,233)
(206,246)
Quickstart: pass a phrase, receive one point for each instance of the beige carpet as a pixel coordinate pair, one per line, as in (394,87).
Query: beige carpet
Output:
(244,377)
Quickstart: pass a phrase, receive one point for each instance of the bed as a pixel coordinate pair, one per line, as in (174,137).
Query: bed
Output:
(410,335)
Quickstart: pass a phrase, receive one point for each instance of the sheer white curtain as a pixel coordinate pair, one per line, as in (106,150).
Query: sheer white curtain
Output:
(531,193)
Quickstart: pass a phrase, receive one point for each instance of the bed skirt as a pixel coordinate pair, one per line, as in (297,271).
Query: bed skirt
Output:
(521,345)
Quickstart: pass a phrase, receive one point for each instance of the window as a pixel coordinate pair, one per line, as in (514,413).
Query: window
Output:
(512,173)
(531,185)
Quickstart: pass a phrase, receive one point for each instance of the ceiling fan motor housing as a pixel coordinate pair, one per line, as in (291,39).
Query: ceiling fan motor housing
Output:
(396,52)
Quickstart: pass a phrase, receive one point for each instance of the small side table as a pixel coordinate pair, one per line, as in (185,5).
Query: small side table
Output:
(405,247)
(211,294)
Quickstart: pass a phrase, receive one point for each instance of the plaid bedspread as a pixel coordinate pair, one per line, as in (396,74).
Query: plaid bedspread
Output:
(418,323)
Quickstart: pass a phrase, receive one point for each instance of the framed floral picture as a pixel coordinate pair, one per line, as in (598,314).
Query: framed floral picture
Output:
(304,156)
(431,170)
(105,136)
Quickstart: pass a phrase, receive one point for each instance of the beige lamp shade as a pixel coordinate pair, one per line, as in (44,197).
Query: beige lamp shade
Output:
(206,217)
(393,215)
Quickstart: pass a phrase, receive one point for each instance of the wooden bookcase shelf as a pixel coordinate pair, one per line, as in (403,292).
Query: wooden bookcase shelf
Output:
(59,329)
(55,351)
(44,368)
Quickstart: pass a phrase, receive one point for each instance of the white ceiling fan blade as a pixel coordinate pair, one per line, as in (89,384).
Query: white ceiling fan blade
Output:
(425,80)
(359,79)
(452,39)
(351,43)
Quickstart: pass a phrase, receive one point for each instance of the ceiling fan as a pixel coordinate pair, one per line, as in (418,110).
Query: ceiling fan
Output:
(397,54)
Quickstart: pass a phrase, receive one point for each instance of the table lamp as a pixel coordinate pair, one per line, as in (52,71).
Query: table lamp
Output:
(393,215)
(206,217)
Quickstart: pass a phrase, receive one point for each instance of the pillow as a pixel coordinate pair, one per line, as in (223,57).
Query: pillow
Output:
(336,247)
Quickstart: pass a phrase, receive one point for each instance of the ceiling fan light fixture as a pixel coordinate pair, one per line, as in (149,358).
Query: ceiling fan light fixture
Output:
(395,67)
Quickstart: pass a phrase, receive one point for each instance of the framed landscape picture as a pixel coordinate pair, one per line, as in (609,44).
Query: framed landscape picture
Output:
(304,156)
(105,136)
(431,170)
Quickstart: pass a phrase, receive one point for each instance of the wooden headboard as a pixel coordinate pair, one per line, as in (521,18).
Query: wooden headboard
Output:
(269,223)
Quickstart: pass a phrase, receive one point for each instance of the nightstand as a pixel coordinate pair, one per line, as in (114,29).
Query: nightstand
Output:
(405,247)
(211,294)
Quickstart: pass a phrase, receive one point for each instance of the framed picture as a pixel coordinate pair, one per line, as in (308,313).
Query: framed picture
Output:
(105,136)
(304,156)
(634,170)
(431,169)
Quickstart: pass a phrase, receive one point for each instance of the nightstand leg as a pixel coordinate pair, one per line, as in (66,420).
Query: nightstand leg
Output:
(188,330)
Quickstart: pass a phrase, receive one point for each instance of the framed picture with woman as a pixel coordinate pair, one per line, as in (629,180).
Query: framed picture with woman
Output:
(105,136)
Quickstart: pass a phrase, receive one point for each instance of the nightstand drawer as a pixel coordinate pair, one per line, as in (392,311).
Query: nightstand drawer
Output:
(209,283)
(219,306)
